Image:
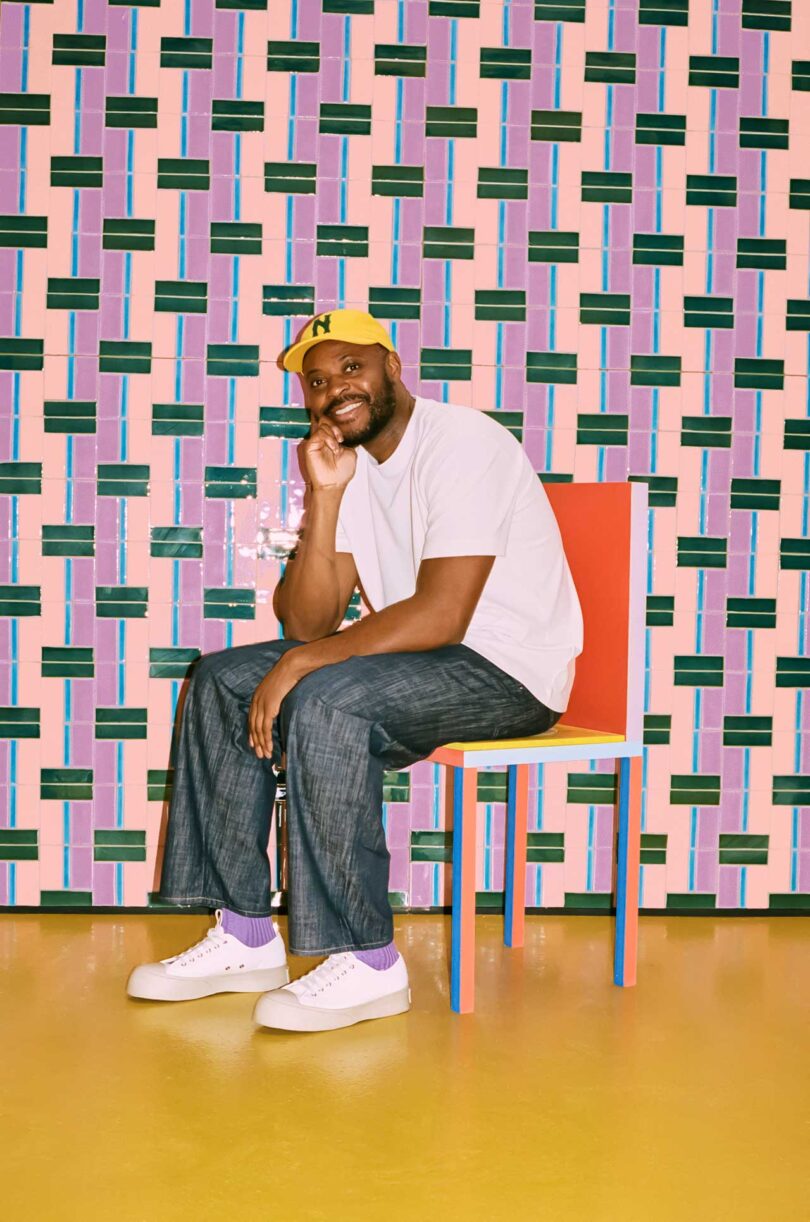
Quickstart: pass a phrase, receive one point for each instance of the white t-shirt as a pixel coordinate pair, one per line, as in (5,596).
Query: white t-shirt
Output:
(459,484)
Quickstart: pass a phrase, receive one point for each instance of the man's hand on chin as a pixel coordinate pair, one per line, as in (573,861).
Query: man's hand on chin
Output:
(266,702)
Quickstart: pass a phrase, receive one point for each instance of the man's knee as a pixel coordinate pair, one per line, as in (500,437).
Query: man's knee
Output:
(323,692)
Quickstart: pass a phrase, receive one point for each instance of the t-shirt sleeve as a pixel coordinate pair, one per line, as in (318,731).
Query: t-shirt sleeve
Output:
(470,489)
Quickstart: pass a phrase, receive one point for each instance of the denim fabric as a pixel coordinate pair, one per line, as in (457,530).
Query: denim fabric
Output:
(342,727)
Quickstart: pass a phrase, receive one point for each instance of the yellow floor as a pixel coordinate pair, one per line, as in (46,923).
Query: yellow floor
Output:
(561,1098)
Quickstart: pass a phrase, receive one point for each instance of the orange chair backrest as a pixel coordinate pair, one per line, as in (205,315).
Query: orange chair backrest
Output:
(603,528)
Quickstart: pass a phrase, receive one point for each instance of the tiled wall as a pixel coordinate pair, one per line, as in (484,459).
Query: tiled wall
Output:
(589,217)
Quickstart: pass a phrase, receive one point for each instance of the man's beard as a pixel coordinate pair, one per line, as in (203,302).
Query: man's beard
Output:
(381,410)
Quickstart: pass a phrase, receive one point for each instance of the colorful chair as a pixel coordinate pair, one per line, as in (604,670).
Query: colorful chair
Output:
(604,532)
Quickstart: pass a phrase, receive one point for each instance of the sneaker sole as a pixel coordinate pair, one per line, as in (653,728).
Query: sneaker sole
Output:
(281,1014)
(147,985)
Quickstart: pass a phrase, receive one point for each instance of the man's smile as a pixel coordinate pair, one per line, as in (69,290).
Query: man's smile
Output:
(347,409)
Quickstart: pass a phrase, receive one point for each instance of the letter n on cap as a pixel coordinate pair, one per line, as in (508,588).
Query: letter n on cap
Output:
(324,323)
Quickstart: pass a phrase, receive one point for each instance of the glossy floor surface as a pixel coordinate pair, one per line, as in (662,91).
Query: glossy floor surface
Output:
(561,1098)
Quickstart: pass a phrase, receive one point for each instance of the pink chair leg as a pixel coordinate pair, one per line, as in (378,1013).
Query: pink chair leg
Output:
(517,822)
(628,870)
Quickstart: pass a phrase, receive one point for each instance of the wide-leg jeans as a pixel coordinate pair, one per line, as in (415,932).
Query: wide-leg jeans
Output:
(341,727)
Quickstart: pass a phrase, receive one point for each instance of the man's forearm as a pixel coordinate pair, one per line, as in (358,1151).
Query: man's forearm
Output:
(414,624)
(308,600)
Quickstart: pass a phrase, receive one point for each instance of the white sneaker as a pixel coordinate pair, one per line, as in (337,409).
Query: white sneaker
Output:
(340,992)
(218,963)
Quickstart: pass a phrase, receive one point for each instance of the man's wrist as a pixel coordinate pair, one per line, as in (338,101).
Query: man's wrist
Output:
(299,661)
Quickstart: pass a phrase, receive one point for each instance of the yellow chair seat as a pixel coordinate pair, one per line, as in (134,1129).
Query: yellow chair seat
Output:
(561,735)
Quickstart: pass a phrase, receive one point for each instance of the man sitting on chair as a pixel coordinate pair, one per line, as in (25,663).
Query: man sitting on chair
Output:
(435,512)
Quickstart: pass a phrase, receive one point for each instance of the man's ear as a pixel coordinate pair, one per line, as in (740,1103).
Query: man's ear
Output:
(393,365)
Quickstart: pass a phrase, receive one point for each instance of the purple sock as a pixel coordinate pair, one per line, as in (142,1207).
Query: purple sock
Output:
(380,958)
(251,931)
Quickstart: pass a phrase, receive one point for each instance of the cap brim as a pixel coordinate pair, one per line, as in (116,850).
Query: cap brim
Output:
(293,359)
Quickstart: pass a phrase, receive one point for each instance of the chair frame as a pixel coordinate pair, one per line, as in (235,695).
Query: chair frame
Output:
(624,744)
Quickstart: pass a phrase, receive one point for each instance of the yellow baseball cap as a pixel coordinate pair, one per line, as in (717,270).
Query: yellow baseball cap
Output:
(353,326)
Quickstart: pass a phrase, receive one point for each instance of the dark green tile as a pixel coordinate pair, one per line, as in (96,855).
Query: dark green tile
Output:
(342,241)
(553,246)
(232,361)
(660,610)
(506,63)
(500,305)
(400,59)
(122,479)
(186,53)
(79,50)
(451,121)
(183,174)
(24,232)
(120,723)
(659,128)
(177,419)
(756,494)
(552,367)
(557,126)
(702,552)
(610,67)
(171,662)
(68,540)
(297,56)
(21,355)
(289,422)
(237,116)
(177,542)
(694,789)
(398,180)
(121,602)
(344,119)
(131,112)
(706,432)
(766,15)
(751,613)
(66,784)
(748,731)
(25,109)
(658,249)
(691,901)
(395,303)
(20,478)
(236,238)
(711,190)
(446,364)
(503,183)
(288,178)
(20,601)
(17,721)
(714,71)
(699,670)
(231,483)
(662,489)
(130,234)
(447,242)
(67,662)
(229,603)
(602,428)
(124,356)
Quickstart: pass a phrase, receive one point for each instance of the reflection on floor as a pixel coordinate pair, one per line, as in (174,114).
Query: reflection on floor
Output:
(561,1098)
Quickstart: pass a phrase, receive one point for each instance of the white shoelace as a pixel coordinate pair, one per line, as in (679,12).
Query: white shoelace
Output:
(212,940)
(326,973)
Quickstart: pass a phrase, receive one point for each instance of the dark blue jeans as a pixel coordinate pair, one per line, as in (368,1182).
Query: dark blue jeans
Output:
(341,727)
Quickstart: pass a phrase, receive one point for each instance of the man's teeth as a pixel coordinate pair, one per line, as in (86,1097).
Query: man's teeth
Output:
(348,407)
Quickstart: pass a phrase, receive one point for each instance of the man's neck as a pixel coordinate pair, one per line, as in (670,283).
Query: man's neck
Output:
(384,444)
